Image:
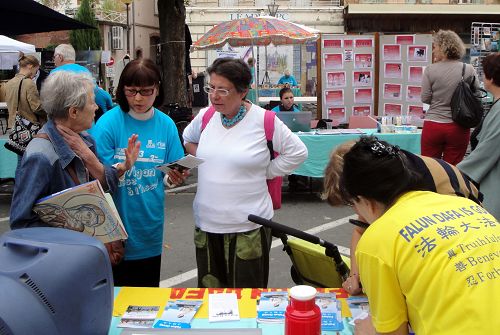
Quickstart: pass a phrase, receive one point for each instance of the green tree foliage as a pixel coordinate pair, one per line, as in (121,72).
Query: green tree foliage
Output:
(85,39)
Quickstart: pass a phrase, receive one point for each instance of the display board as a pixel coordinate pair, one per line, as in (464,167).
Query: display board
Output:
(348,76)
(402,60)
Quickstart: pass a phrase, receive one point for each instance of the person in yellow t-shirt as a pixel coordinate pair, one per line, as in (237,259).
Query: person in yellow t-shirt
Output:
(427,260)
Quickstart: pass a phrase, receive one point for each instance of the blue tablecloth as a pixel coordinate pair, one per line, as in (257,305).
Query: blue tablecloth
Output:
(320,147)
(269,92)
(8,160)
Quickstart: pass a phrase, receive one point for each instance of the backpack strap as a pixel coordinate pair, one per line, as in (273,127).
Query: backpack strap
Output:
(463,71)
(206,117)
(269,131)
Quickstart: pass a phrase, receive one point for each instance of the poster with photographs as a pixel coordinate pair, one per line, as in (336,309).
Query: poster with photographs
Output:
(332,43)
(416,112)
(362,78)
(392,109)
(417,53)
(335,79)
(413,93)
(337,114)
(363,61)
(348,76)
(365,110)
(392,91)
(391,52)
(405,39)
(415,74)
(334,97)
(393,70)
(363,95)
(333,61)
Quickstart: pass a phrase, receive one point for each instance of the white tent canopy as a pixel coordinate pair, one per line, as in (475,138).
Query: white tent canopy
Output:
(10,45)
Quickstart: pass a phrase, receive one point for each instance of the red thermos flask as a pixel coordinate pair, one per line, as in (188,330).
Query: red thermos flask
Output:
(302,315)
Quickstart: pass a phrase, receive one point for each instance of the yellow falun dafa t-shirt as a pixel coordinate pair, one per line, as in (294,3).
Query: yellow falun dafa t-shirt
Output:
(434,261)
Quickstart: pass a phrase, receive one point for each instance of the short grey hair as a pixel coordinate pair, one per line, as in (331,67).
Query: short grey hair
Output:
(64,89)
(65,50)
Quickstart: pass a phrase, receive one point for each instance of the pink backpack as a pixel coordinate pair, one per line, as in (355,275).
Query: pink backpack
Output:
(273,185)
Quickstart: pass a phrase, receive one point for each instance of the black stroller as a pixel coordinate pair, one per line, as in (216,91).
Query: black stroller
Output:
(315,262)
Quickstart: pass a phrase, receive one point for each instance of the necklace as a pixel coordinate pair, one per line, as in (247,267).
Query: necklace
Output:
(237,118)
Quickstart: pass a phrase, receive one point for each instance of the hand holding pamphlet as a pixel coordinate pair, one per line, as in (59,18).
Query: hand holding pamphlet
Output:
(185,163)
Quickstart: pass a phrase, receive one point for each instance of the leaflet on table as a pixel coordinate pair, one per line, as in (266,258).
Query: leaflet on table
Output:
(185,163)
(223,307)
(84,208)
(178,314)
(331,311)
(359,307)
(272,306)
(139,317)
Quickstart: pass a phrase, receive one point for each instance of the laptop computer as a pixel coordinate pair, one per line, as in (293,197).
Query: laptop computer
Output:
(296,121)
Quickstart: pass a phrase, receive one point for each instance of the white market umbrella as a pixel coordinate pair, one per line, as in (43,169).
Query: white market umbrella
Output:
(10,45)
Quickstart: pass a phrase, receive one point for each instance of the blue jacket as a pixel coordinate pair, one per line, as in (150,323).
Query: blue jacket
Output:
(43,172)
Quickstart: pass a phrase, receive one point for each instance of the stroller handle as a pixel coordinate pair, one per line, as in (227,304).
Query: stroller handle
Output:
(331,249)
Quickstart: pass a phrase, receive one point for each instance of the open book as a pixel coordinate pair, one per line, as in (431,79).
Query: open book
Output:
(84,208)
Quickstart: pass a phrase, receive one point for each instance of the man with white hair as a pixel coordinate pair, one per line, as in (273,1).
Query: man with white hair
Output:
(287,79)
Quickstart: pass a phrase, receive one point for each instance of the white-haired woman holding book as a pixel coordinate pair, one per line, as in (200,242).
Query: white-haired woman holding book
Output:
(63,154)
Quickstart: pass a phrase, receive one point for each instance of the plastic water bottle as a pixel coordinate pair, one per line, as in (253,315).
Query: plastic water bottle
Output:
(302,315)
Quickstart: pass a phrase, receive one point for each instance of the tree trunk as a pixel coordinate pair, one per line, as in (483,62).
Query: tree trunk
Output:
(172,17)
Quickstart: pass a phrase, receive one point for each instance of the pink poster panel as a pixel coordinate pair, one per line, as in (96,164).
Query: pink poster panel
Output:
(413,93)
(415,74)
(417,53)
(333,43)
(362,78)
(392,109)
(416,112)
(363,43)
(363,61)
(362,110)
(363,95)
(334,97)
(392,52)
(333,61)
(405,39)
(348,43)
(335,79)
(393,70)
(337,114)
(392,91)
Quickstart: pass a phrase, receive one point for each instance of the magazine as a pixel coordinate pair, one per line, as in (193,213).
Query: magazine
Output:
(359,307)
(84,208)
(178,314)
(223,307)
(139,317)
(272,306)
(331,316)
(185,163)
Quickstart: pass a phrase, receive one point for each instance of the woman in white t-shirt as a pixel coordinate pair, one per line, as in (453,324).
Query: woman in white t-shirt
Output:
(230,250)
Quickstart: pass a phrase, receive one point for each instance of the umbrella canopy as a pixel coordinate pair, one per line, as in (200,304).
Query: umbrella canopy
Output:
(10,45)
(261,30)
(28,16)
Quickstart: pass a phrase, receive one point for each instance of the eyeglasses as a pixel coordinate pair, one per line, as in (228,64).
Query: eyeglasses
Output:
(221,91)
(145,92)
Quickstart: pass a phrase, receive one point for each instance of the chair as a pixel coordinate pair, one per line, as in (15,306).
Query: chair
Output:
(362,122)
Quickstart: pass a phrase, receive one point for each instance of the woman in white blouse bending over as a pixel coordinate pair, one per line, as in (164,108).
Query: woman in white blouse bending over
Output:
(230,250)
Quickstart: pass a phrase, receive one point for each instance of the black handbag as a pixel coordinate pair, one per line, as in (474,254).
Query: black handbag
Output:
(23,130)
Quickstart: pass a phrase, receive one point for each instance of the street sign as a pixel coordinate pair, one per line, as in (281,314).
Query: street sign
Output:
(111,62)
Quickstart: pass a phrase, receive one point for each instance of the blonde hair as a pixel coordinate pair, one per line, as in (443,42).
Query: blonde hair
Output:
(450,44)
(28,60)
(331,189)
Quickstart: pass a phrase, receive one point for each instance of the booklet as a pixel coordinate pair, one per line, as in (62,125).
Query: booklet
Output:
(178,314)
(271,307)
(331,311)
(185,163)
(139,317)
(223,307)
(84,208)
(359,307)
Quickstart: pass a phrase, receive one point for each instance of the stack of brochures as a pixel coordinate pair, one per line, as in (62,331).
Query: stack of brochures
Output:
(178,314)
(271,307)
(223,307)
(139,317)
(331,312)
(359,308)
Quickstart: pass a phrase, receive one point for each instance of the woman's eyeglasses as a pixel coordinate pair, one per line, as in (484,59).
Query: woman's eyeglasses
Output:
(221,91)
(145,92)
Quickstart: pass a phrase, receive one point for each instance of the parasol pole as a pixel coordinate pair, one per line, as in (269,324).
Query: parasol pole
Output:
(256,79)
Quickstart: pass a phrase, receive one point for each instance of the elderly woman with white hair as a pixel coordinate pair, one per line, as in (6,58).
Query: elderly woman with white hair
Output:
(63,154)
